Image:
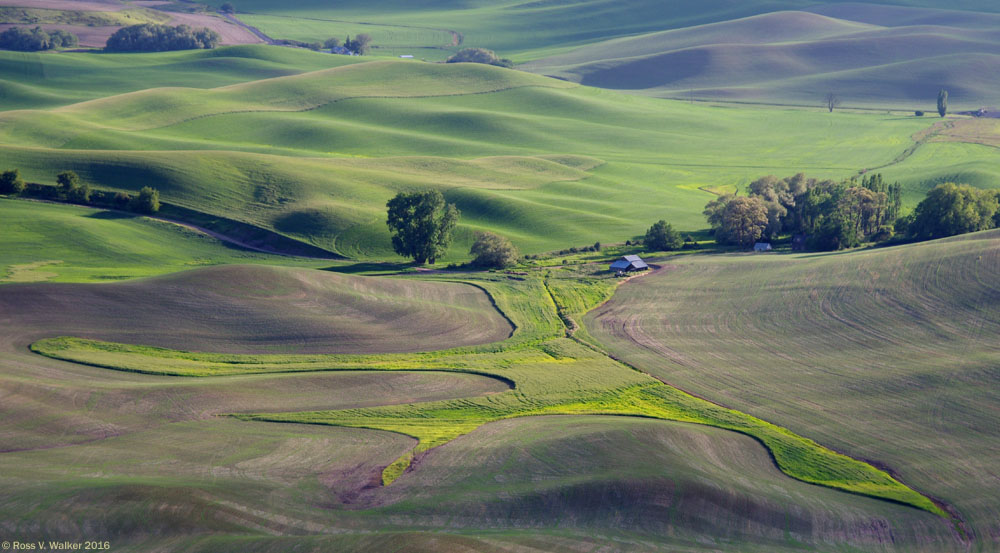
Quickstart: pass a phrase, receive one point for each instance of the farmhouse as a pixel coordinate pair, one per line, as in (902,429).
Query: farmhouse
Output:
(629,263)
(762,247)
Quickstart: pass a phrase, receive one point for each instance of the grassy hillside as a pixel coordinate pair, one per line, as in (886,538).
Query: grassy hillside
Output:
(516,29)
(887,354)
(62,243)
(315,156)
(798,57)
(40,80)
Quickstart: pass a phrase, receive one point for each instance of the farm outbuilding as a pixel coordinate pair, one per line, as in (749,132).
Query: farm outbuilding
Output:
(628,264)
(762,247)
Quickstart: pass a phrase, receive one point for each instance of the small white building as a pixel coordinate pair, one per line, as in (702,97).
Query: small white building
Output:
(762,247)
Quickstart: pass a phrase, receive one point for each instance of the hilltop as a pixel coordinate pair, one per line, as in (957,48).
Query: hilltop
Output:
(869,56)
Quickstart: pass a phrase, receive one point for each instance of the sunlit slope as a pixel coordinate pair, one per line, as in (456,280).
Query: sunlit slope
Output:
(800,57)
(888,354)
(514,28)
(62,243)
(31,80)
(263,309)
(552,165)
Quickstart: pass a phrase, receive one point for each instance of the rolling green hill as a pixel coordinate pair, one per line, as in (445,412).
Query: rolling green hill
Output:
(888,354)
(799,57)
(41,80)
(62,243)
(315,156)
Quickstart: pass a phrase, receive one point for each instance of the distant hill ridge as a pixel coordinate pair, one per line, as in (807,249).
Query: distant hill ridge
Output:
(868,55)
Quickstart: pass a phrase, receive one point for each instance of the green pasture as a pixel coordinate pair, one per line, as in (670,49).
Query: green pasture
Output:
(62,243)
(886,354)
(41,80)
(315,156)
(383,36)
(523,30)
(868,58)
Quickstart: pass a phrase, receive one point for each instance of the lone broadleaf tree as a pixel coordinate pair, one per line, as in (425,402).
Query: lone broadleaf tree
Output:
(943,102)
(831,101)
(421,225)
(662,237)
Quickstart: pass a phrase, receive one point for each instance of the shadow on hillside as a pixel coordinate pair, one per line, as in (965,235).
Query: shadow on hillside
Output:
(369,268)
(111,215)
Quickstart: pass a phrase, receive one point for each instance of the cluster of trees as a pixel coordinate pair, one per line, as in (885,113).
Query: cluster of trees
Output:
(837,215)
(37,39)
(153,37)
(69,187)
(422,223)
(72,188)
(360,44)
(834,214)
(950,209)
(480,55)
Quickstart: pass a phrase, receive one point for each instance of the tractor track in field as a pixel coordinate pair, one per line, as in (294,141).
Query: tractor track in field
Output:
(919,139)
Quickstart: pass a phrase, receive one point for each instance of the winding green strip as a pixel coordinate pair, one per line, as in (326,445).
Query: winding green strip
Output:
(550,375)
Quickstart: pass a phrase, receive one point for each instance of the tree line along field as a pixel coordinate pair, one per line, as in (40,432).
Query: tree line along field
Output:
(530,483)
(315,155)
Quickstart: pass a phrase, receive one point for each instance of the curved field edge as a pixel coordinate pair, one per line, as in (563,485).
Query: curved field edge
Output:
(549,375)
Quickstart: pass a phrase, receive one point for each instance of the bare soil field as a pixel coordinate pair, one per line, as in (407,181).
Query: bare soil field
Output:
(262,309)
(230,33)
(889,355)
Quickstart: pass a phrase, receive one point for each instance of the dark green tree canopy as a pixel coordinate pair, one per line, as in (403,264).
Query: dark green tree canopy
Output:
(479,55)
(942,102)
(11,182)
(148,200)
(951,209)
(662,236)
(493,251)
(33,40)
(360,44)
(68,181)
(153,37)
(421,224)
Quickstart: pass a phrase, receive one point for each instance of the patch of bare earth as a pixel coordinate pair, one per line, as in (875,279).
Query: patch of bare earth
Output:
(230,33)
(985,131)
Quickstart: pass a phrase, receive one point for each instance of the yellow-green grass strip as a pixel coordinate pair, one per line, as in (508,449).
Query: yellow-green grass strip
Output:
(549,375)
